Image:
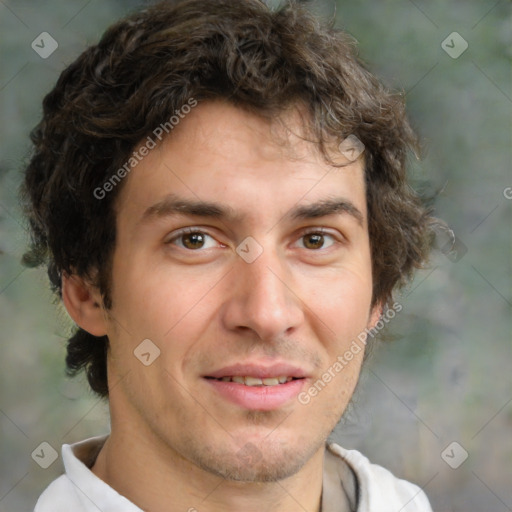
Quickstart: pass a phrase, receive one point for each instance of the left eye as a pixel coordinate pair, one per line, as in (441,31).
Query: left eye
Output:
(315,241)
(194,240)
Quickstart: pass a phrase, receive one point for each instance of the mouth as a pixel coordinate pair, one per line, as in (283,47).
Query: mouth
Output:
(258,387)
(256,381)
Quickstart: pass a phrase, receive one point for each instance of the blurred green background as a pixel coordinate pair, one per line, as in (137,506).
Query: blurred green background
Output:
(446,378)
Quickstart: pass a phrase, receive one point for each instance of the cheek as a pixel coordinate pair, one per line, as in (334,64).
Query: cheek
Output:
(171,308)
(342,301)
(153,300)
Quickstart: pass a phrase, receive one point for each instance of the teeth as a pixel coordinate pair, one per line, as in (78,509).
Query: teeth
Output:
(255,381)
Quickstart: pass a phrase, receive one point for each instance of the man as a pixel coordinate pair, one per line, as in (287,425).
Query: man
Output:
(220,194)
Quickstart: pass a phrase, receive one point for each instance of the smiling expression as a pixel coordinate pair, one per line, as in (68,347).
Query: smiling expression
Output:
(245,258)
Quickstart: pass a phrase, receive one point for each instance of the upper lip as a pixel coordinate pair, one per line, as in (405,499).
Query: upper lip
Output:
(260,371)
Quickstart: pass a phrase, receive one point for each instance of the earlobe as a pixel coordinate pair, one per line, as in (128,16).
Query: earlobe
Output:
(83,303)
(375,315)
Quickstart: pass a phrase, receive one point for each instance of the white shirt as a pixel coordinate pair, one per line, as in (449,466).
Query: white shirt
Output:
(350,483)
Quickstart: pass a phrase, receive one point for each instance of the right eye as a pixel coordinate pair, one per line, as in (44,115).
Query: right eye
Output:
(193,240)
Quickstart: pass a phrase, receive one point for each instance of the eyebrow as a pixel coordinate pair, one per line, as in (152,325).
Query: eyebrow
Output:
(327,207)
(174,205)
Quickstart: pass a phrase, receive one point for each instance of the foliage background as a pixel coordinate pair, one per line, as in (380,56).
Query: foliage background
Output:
(447,375)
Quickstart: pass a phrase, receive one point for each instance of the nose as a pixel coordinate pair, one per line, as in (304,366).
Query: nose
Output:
(262,299)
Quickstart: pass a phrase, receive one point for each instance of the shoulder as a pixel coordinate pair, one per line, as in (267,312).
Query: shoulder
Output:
(79,489)
(378,489)
(68,491)
(59,496)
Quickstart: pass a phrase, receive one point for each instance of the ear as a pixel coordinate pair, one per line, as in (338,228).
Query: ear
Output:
(83,303)
(375,315)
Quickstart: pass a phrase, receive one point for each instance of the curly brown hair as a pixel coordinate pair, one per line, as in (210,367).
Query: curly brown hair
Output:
(146,67)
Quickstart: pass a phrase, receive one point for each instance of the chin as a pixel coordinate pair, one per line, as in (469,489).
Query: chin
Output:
(263,462)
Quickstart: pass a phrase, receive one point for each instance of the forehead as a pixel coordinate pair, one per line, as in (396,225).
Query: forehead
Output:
(224,154)
(220,129)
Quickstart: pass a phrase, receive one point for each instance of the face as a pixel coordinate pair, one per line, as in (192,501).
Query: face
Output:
(245,259)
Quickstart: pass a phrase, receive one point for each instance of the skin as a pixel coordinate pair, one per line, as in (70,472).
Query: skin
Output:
(206,308)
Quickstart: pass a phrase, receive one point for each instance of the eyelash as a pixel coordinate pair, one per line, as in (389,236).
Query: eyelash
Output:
(189,231)
(192,230)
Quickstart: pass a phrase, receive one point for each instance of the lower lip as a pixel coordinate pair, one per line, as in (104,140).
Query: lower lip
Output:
(261,398)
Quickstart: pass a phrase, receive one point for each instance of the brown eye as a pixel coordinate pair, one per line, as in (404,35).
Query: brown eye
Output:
(193,240)
(316,240)
(313,241)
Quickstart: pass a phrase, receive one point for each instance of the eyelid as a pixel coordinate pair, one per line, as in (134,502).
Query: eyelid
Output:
(175,235)
(320,230)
